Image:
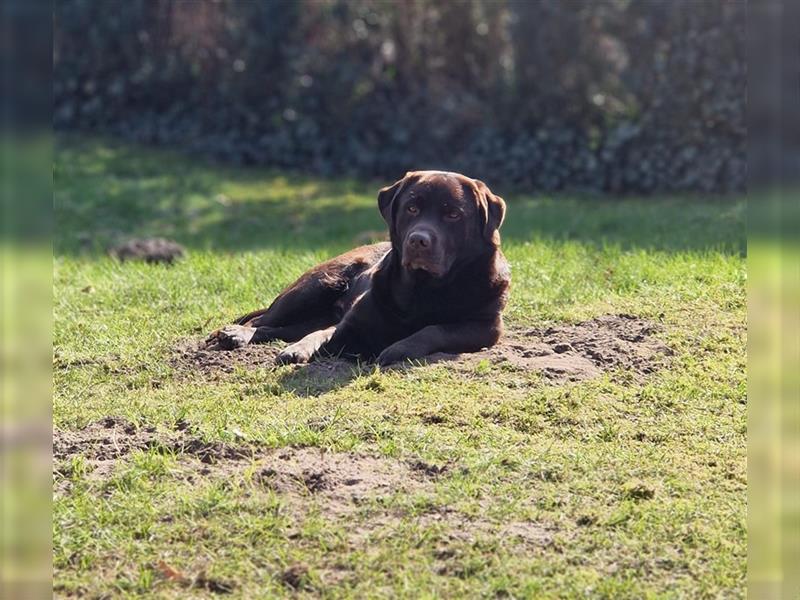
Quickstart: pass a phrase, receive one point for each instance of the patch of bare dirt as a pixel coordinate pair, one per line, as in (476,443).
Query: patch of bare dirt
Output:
(104,443)
(337,478)
(576,352)
(459,528)
(192,356)
(106,439)
(561,353)
(337,485)
(338,482)
(112,438)
(149,250)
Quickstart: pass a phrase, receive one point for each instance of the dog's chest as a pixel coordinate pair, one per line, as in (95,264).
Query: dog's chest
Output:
(444,304)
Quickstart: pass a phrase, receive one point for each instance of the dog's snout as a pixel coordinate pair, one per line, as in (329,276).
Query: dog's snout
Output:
(420,240)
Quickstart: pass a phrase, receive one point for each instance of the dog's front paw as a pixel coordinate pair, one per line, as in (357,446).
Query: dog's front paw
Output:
(230,337)
(398,352)
(294,354)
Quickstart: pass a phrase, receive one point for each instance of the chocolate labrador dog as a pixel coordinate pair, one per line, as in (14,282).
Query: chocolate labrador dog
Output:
(440,285)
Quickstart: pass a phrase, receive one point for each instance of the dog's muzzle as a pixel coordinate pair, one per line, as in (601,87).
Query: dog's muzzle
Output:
(420,253)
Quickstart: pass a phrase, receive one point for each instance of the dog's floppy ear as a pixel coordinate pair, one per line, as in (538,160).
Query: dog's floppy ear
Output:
(493,211)
(387,196)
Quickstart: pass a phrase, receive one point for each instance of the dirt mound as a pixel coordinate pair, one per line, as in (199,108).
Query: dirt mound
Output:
(111,438)
(560,353)
(106,439)
(338,482)
(577,352)
(292,471)
(318,377)
(364,493)
(150,250)
(193,356)
(456,527)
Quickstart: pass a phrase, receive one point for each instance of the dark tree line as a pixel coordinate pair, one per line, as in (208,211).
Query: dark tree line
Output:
(607,95)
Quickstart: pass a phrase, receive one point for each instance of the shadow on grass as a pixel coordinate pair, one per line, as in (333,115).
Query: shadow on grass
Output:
(319,377)
(106,191)
(190,357)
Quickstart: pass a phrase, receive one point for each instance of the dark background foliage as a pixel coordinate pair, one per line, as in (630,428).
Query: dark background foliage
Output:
(608,95)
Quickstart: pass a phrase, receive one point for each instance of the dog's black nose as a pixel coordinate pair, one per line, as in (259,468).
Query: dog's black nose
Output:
(420,240)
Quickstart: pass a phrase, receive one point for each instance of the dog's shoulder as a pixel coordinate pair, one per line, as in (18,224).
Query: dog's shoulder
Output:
(363,256)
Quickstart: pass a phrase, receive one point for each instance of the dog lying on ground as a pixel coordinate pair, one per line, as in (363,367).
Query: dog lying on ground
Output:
(439,285)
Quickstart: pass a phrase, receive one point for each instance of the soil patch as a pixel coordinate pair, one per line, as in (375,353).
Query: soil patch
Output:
(111,438)
(149,250)
(353,489)
(191,356)
(458,528)
(340,481)
(577,352)
(560,353)
(337,482)
(106,439)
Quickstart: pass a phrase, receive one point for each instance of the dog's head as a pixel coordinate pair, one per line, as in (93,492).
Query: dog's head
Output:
(437,219)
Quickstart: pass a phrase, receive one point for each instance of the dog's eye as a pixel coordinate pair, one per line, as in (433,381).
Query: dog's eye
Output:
(412,209)
(453,215)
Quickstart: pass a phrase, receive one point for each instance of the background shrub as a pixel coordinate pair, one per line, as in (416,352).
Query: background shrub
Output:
(609,95)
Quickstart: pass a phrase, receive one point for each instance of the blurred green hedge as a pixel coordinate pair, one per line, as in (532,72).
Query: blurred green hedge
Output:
(610,95)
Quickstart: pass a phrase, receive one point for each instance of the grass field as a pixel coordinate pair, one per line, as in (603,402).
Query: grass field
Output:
(495,482)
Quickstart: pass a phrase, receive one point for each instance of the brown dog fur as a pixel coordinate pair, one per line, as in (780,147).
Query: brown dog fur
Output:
(440,285)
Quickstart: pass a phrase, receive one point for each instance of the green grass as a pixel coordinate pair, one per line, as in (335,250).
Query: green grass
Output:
(573,458)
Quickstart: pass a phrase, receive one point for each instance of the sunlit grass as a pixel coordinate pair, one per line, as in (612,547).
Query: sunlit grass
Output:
(574,458)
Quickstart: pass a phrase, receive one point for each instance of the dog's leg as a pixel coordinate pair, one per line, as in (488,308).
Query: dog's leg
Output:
(310,297)
(305,306)
(236,336)
(302,351)
(470,336)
